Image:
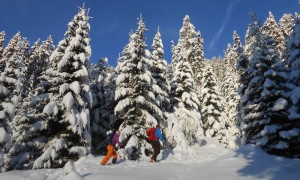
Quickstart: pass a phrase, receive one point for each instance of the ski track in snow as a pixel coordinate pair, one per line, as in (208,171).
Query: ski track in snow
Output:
(210,162)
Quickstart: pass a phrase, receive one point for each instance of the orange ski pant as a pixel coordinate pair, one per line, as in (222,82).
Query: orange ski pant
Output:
(110,152)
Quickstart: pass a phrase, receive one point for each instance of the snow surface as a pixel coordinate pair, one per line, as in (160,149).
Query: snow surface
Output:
(211,162)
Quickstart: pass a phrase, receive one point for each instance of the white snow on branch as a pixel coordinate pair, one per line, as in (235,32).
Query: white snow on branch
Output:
(9,108)
(68,100)
(280,104)
(63,88)
(51,108)
(75,87)
(3,90)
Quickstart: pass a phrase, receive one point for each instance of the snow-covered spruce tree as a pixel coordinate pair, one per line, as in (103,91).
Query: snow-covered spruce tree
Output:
(10,83)
(251,40)
(169,73)
(16,154)
(242,59)
(158,68)
(70,97)
(218,68)
(26,128)
(290,133)
(186,39)
(186,127)
(136,109)
(191,42)
(107,109)
(29,65)
(286,24)
(212,108)
(2,45)
(229,56)
(197,59)
(229,90)
(234,52)
(264,101)
(43,62)
(231,84)
(242,62)
(225,68)
(99,126)
(102,116)
(271,28)
(28,136)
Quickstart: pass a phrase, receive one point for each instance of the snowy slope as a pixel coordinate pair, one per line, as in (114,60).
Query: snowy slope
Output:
(210,162)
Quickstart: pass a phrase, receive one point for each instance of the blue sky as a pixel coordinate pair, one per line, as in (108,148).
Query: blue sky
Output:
(114,19)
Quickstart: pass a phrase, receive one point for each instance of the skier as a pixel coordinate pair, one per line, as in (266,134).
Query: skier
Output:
(110,149)
(155,136)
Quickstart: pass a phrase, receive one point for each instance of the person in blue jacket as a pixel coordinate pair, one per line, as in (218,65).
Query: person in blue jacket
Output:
(154,140)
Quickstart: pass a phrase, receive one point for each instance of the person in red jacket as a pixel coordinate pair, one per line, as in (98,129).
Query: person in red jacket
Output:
(155,135)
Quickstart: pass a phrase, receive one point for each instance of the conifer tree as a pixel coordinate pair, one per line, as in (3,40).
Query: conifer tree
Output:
(102,117)
(229,57)
(2,45)
(231,83)
(242,62)
(186,39)
(290,138)
(187,124)
(136,108)
(158,68)
(185,128)
(17,152)
(246,53)
(10,83)
(43,61)
(69,97)
(229,90)
(99,126)
(264,101)
(27,127)
(198,60)
(251,41)
(212,109)
(271,28)
(29,65)
(218,67)
(191,42)
(225,68)
(286,24)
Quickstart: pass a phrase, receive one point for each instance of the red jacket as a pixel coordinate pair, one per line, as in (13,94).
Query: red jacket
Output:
(151,134)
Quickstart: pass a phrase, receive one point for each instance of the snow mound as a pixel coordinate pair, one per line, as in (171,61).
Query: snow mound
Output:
(70,172)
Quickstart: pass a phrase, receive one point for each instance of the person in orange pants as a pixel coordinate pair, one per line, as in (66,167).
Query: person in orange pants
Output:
(110,152)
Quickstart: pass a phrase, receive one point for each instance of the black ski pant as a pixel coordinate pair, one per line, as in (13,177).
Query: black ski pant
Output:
(156,147)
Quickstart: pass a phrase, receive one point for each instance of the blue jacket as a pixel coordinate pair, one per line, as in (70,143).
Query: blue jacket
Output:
(159,134)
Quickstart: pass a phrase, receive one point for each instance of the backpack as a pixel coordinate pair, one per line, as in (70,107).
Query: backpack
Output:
(151,134)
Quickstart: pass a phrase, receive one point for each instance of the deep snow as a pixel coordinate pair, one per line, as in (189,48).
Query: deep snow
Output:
(211,161)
